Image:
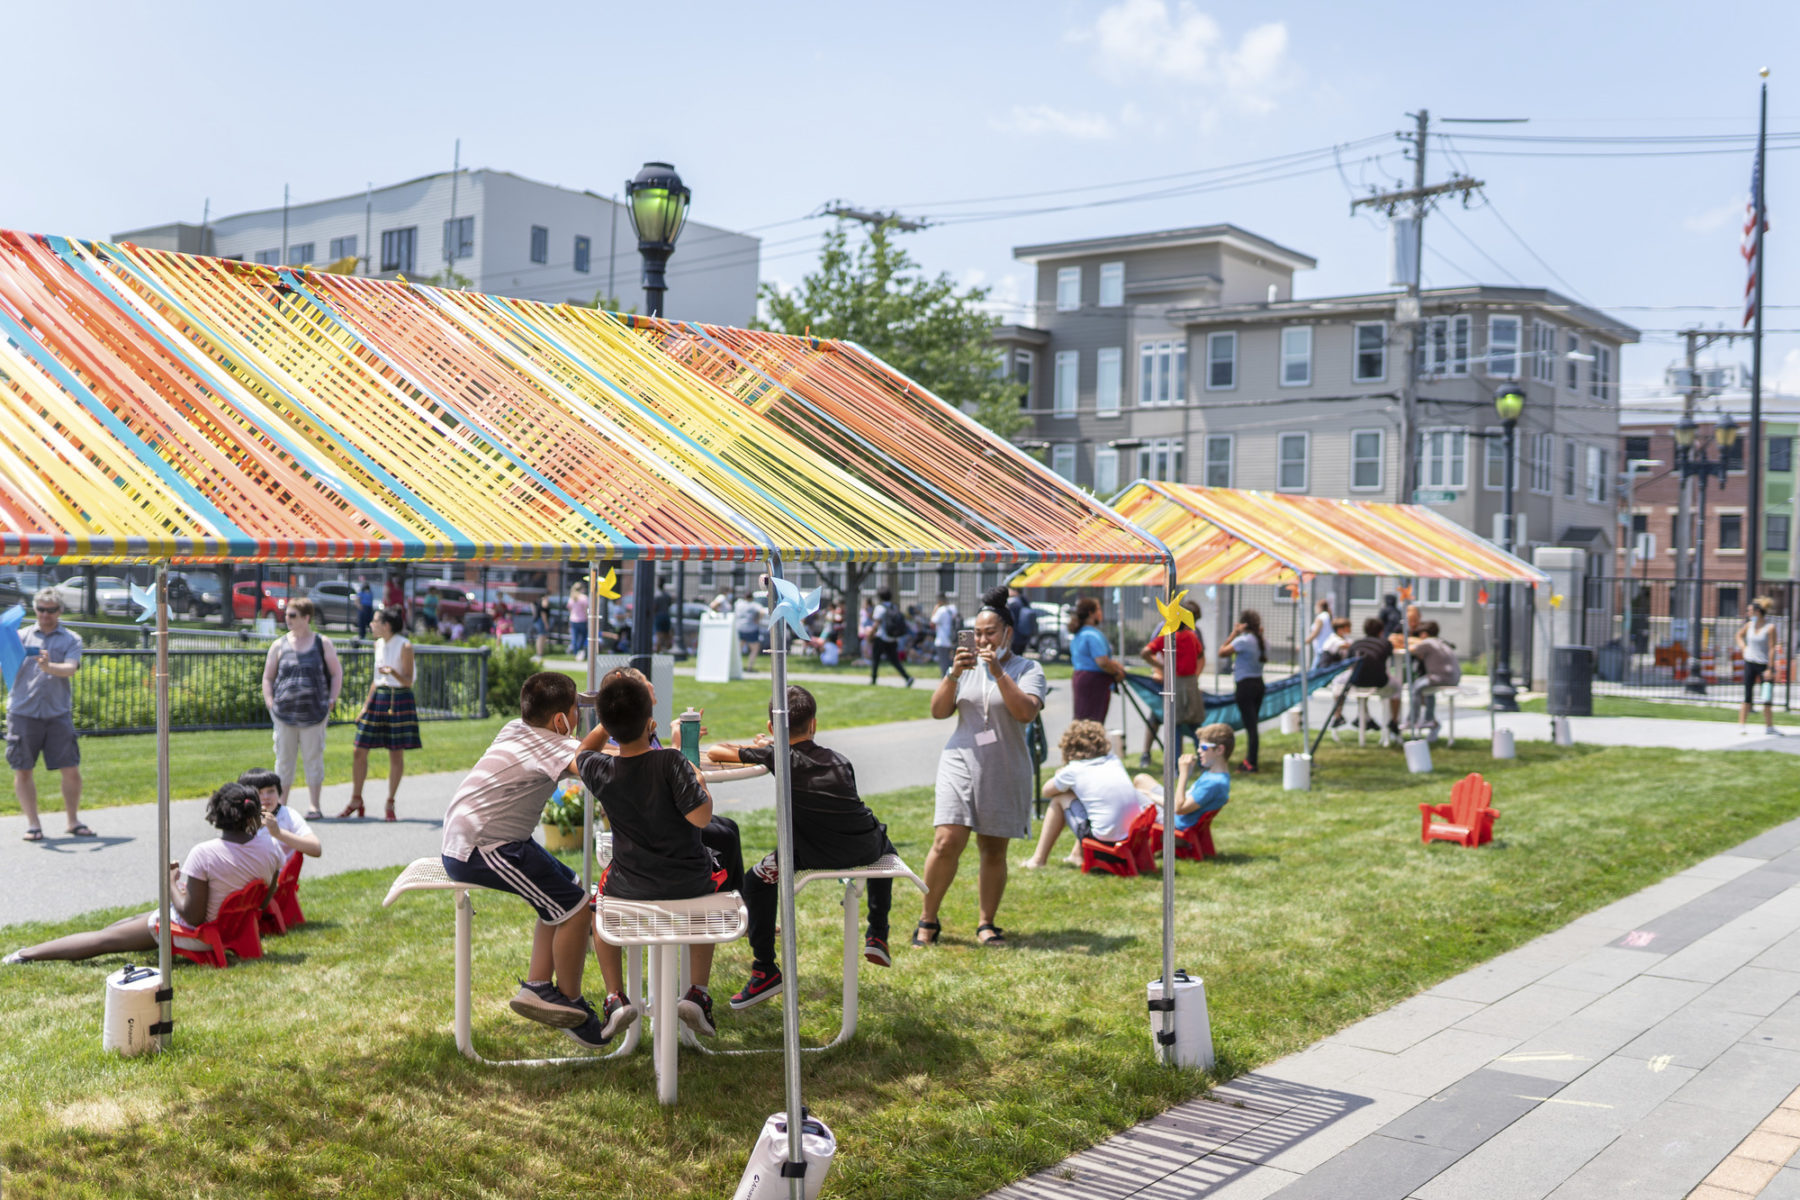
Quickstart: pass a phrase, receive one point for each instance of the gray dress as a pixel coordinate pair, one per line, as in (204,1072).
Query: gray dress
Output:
(983,782)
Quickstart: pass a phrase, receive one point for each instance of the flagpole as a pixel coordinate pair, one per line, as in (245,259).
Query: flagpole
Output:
(1754,541)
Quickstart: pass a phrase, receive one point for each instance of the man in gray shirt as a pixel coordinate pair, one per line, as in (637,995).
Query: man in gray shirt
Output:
(40,715)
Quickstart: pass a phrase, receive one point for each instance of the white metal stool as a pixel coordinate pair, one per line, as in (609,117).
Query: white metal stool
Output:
(665,926)
(427,875)
(1449,691)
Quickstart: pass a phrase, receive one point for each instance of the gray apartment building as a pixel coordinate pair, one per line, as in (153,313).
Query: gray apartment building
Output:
(1183,355)
(506,234)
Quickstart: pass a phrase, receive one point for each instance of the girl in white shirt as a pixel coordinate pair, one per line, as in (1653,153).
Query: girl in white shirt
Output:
(389,719)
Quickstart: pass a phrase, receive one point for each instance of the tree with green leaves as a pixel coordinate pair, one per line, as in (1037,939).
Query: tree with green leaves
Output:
(875,295)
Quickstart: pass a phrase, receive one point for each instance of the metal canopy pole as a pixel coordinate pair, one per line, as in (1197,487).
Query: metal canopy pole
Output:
(593,685)
(1305,696)
(1171,752)
(784,860)
(165,955)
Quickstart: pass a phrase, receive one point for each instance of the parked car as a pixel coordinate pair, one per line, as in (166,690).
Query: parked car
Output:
(107,589)
(336,601)
(18,587)
(243,599)
(1052,640)
(195,593)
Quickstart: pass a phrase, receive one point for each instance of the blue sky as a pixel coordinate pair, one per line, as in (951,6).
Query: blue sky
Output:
(138,113)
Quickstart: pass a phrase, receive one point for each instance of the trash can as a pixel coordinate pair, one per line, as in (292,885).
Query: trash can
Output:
(1611,660)
(1571,681)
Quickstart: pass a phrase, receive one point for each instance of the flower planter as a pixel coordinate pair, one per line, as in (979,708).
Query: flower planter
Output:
(555,839)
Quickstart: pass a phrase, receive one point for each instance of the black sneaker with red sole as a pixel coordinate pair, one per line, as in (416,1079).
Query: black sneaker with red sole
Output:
(765,983)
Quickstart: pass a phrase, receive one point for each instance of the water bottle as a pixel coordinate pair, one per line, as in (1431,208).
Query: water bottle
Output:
(688,727)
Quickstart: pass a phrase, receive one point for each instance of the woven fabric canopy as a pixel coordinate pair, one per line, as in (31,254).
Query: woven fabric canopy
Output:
(1220,535)
(157,405)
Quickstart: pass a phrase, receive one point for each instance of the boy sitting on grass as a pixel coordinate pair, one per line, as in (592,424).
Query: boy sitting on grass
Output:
(832,828)
(657,807)
(488,842)
(1211,791)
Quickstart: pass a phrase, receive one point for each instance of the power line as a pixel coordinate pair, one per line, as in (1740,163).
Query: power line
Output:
(1488,203)
(1500,266)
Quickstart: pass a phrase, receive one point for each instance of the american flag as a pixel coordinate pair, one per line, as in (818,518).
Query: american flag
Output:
(1748,248)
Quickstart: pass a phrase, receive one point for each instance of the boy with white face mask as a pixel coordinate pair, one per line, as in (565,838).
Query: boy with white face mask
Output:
(488,842)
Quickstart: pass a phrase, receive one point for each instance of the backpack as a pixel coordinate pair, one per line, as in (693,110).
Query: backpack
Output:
(893,623)
(1028,622)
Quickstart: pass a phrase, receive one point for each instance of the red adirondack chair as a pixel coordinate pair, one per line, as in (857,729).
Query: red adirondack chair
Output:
(1193,843)
(1467,820)
(234,929)
(1133,856)
(283,910)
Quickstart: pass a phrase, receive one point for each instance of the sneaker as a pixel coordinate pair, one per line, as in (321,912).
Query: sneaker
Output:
(1248,767)
(876,951)
(601,1027)
(1144,762)
(17,956)
(765,982)
(545,1004)
(695,1011)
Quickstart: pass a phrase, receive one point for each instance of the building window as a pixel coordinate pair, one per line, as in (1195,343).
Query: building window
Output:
(540,244)
(1290,468)
(1775,536)
(1221,361)
(1062,460)
(1573,347)
(1444,346)
(1106,471)
(1441,593)
(1296,356)
(1732,456)
(1781,454)
(946,579)
(1218,460)
(1596,475)
(908,574)
(1363,589)
(1024,366)
(1162,459)
(1068,289)
(1731,531)
(300,253)
(1503,347)
(583,254)
(1109,367)
(459,238)
(708,574)
(1543,351)
(1568,467)
(1543,452)
(1493,464)
(398,248)
(1367,448)
(1445,465)
(1112,284)
(344,247)
(1068,362)
(1636,447)
(1371,352)
(269,258)
(1600,382)
(1162,374)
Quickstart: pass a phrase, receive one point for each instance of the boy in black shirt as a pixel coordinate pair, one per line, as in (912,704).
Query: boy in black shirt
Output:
(657,807)
(832,828)
(1372,651)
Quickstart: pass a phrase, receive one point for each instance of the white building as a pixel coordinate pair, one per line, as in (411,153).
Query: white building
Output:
(505,234)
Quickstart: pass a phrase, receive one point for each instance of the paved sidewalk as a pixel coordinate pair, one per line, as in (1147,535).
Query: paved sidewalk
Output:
(1625,1055)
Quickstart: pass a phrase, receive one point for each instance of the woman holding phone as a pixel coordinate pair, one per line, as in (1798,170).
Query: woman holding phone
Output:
(985,779)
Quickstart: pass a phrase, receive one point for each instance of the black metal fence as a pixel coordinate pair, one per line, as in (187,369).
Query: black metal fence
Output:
(221,688)
(1676,639)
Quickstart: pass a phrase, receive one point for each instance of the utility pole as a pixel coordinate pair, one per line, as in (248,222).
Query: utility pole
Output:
(1759,214)
(450,229)
(1687,560)
(837,208)
(1408,318)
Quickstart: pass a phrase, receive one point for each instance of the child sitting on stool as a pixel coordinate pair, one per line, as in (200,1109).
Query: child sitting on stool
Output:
(657,807)
(832,828)
(1210,791)
(1091,794)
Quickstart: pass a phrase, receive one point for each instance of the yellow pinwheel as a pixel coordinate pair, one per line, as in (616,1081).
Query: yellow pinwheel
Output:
(1176,613)
(608,585)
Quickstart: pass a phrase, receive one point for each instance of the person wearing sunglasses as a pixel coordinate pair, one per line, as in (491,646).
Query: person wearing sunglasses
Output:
(40,715)
(1209,773)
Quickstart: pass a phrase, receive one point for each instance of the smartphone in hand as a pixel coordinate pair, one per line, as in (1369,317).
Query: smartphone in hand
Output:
(965,640)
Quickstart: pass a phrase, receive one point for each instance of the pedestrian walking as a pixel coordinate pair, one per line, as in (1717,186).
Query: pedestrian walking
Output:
(395,596)
(365,609)
(887,627)
(540,626)
(663,623)
(1095,669)
(578,620)
(749,615)
(40,716)
(301,681)
(1320,632)
(389,718)
(1755,639)
(944,620)
(1247,651)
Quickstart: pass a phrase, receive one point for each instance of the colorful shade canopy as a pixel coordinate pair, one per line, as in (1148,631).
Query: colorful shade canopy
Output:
(157,405)
(1220,535)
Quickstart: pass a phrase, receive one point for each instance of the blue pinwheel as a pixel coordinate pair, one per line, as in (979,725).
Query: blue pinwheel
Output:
(145,599)
(793,607)
(12,650)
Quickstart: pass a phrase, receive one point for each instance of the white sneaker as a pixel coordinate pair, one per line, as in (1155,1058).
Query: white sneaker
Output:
(13,959)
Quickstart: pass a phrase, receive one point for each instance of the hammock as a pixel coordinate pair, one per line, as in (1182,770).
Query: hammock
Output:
(1145,694)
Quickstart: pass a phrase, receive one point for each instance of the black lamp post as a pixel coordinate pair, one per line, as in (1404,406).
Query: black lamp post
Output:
(1692,463)
(658,203)
(1509,402)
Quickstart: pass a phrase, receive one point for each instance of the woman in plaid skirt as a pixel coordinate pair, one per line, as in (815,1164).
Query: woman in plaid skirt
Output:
(388,720)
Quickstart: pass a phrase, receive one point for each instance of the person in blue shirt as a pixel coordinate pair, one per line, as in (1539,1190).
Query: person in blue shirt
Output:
(1210,790)
(1095,668)
(40,720)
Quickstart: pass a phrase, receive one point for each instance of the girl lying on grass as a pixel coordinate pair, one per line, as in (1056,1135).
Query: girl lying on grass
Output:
(214,869)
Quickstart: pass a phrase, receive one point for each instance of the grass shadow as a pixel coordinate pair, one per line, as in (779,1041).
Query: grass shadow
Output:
(1084,941)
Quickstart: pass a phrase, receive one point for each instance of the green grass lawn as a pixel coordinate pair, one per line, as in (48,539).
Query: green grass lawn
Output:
(1631,706)
(122,770)
(328,1068)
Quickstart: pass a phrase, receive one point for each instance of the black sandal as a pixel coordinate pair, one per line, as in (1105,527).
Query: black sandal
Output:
(999,938)
(931,927)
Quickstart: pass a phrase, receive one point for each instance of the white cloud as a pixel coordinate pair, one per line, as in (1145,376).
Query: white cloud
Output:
(1715,219)
(1150,39)
(1033,119)
(1786,377)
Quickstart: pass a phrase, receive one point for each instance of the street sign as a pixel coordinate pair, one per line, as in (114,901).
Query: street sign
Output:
(1422,496)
